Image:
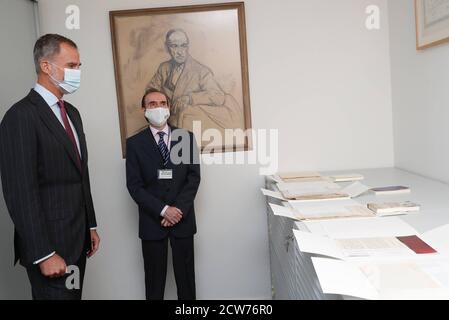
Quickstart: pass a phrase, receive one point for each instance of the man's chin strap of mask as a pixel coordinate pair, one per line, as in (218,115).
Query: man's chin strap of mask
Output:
(71,82)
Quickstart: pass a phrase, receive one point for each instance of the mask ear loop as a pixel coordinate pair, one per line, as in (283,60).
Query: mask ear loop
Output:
(56,81)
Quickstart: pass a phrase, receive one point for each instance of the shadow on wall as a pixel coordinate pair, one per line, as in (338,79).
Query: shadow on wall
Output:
(13,280)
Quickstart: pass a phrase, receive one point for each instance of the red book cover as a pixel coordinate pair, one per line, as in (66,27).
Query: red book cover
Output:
(416,244)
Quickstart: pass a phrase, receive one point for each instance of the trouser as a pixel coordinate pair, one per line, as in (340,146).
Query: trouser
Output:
(45,288)
(155,264)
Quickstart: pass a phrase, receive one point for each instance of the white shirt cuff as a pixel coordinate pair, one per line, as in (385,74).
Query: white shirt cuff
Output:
(163,211)
(44,258)
(94,228)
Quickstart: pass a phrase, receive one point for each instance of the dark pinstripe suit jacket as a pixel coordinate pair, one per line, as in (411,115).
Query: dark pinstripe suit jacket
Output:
(47,195)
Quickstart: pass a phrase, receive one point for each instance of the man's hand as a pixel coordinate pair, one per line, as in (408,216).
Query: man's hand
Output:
(95,243)
(173,215)
(53,267)
(165,223)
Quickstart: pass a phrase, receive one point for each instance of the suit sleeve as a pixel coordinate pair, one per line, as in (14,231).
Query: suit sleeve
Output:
(186,197)
(92,221)
(136,186)
(19,172)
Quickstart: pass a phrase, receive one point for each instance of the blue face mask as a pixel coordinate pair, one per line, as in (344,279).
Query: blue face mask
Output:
(71,82)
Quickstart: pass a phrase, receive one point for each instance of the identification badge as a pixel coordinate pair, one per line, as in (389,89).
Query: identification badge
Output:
(165,174)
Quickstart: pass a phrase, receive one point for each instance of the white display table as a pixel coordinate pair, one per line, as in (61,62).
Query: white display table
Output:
(292,273)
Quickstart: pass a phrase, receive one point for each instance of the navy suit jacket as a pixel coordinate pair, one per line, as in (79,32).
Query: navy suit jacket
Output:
(143,160)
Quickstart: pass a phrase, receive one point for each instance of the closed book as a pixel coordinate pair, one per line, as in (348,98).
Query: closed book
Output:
(393,208)
(391,190)
(319,196)
(416,244)
(300,176)
(347,177)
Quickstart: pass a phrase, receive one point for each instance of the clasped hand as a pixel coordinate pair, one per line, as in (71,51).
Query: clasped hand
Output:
(171,217)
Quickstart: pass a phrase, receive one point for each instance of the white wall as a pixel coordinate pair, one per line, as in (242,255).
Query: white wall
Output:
(316,73)
(420,97)
(323,79)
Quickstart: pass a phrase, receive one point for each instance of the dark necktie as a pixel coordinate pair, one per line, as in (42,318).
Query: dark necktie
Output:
(163,148)
(69,131)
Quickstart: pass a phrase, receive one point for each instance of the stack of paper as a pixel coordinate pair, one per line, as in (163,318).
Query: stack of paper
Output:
(272,194)
(341,277)
(313,190)
(423,277)
(393,246)
(360,227)
(300,176)
(347,177)
(393,208)
(331,209)
(419,273)
(283,211)
(317,210)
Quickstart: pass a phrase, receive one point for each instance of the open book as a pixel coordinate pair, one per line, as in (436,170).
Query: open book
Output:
(300,177)
(349,248)
(319,210)
(312,190)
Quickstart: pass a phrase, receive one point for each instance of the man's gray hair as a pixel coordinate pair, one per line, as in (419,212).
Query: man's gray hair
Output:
(171,31)
(47,46)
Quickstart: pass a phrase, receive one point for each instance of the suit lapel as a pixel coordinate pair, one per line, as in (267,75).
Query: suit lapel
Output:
(53,124)
(152,147)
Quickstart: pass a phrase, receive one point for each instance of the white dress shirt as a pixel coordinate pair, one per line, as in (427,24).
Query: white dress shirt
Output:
(52,102)
(167,140)
(166,130)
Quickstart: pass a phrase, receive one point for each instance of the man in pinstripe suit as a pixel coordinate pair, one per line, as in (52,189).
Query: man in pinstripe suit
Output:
(45,177)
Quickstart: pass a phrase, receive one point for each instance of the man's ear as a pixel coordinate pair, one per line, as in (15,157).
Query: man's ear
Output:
(45,67)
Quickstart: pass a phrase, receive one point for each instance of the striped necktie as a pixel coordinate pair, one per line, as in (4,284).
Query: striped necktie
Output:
(163,148)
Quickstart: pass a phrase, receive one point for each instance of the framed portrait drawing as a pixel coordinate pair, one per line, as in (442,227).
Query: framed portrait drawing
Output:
(197,56)
(432,23)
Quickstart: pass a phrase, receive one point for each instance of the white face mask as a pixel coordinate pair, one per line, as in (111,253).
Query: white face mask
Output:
(157,116)
(71,82)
